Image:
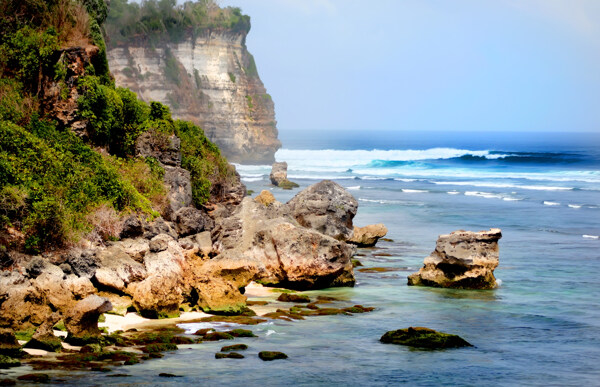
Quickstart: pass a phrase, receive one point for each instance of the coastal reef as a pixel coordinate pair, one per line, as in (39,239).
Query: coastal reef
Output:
(193,58)
(461,260)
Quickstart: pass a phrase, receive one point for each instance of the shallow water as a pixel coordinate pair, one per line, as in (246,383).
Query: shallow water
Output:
(540,327)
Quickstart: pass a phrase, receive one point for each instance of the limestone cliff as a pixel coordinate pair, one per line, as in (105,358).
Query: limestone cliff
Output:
(210,79)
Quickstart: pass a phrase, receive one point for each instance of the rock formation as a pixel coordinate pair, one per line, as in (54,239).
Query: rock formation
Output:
(278,176)
(326,207)
(462,260)
(211,81)
(369,235)
(423,338)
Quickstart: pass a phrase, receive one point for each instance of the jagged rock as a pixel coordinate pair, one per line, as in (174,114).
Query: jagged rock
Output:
(326,207)
(164,148)
(265,198)
(159,226)
(204,243)
(265,243)
(369,235)
(180,188)
(66,268)
(21,304)
(36,266)
(278,172)
(5,258)
(119,303)
(423,338)
(84,264)
(135,248)
(160,243)
(81,321)
(44,338)
(9,346)
(190,220)
(117,269)
(463,260)
(52,285)
(160,294)
(132,227)
(81,287)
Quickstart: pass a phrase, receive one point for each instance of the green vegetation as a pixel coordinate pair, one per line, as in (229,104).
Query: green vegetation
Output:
(231,76)
(55,186)
(160,20)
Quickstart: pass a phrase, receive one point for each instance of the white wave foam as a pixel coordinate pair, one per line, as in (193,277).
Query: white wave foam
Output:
(379,201)
(547,203)
(453,192)
(591,236)
(511,199)
(349,158)
(503,185)
(355,187)
(574,206)
(487,195)
(406,180)
(251,179)
(414,190)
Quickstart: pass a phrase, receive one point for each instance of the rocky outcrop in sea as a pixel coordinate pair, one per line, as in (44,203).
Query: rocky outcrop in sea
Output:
(462,260)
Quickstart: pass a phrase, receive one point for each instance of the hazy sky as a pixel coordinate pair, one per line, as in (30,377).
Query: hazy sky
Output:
(429,64)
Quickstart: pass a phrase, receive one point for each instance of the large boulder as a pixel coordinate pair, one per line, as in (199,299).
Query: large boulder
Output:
(117,269)
(326,207)
(281,252)
(21,304)
(81,321)
(161,292)
(461,260)
(9,346)
(369,235)
(190,220)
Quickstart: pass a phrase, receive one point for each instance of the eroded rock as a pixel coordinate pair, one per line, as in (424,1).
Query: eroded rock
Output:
(82,320)
(424,338)
(326,207)
(462,260)
(369,235)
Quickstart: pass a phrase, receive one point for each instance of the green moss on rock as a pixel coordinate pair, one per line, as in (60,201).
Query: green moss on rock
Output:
(424,338)
(271,355)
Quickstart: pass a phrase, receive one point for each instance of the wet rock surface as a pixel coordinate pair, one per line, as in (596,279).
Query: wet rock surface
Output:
(424,338)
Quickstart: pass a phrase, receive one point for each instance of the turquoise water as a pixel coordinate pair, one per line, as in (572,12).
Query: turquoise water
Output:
(540,327)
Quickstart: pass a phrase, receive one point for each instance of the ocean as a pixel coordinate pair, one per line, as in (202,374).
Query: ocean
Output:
(541,326)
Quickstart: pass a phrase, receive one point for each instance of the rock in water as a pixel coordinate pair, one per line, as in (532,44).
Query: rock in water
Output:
(279,176)
(278,172)
(461,260)
(9,346)
(326,207)
(369,235)
(271,355)
(423,338)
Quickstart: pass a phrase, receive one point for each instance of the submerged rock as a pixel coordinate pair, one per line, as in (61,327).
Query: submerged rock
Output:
(290,297)
(423,338)
(234,347)
(230,355)
(461,260)
(271,355)
(326,207)
(369,235)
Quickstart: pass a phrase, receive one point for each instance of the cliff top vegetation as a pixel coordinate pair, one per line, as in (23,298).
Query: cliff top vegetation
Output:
(58,187)
(158,20)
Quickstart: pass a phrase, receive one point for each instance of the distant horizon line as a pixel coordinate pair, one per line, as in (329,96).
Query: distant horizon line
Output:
(447,130)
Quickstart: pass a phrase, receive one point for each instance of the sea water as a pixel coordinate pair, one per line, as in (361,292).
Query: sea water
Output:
(541,326)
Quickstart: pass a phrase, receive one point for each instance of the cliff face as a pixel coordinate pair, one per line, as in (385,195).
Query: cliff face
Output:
(210,79)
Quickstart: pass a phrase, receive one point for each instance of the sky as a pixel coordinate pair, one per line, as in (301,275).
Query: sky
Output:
(472,65)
